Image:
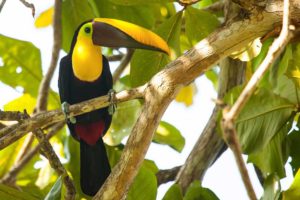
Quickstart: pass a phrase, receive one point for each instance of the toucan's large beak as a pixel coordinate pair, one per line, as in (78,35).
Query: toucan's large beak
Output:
(117,33)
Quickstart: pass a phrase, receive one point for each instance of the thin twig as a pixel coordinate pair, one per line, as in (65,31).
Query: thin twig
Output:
(115,57)
(2,5)
(29,5)
(123,64)
(45,84)
(230,115)
(10,176)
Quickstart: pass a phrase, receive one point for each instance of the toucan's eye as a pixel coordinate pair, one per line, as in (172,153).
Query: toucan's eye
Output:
(87,29)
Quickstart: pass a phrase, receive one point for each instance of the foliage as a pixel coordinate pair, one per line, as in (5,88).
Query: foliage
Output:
(268,126)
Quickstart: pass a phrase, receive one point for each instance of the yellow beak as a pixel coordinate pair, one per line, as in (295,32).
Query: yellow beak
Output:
(117,33)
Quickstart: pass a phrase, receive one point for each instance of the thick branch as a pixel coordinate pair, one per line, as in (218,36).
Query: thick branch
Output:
(45,84)
(166,175)
(210,145)
(179,72)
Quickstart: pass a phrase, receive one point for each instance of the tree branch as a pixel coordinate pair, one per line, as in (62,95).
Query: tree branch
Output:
(123,64)
(166,175)
(14,132)
(29,5)
(2,5)
(45,84)
(210,145)
(230,115)
(10,176)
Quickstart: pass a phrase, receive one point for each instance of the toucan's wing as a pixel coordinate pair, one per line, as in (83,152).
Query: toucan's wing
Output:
(65,72)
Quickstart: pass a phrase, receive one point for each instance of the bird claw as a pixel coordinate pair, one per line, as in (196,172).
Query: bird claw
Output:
(66,110)
(112,101)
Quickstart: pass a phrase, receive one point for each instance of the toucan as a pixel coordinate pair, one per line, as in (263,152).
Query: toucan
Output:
(84,73)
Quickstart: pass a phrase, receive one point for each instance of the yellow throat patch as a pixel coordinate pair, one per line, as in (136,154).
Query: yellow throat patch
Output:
(86,57)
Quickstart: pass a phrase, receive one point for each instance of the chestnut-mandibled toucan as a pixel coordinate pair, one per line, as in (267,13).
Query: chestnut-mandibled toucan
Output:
(84,74)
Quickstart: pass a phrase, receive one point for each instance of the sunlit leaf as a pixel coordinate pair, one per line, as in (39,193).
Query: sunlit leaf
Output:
(26,102)
(186,94)
(55,192)
(173,193)
(8,193)
(145,64)
(169,135)
(144,186)
(293,193)
(284,61)
(45,18)
(248,52)
(196,191)
(135,2)
(199,24)
(21,65)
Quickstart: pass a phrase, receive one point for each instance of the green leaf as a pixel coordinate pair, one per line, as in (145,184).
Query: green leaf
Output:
(21,64)
(143,15)
(167,134)
(212,75)
(293,71)
(144,186)
(8,193)
(144,64)
(173,193)
(195,191)
(293,193)
(287,88)
(272,158)
(150,164)
(256,127)
(74,12)
(55,192)
(199,24)
(284,61)
(135,2)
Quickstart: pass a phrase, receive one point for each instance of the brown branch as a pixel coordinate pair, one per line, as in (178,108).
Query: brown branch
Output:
(115,57)
(166,175)
(29,5)
(230,115)
(45,84)
(187,2)
(215,7)
(10,176)
(123,64)
(11,116)
(16,131)
(210,145)
(2,5)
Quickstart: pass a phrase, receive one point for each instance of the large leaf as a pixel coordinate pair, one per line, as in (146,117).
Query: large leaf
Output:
(145,64)
(173,193)
(168,134)
(272,158)
(21,64)
(143,15)
(144,186)
(199,24)
(195,191)
(293,71)
(262,117)
(8,193)
(55,192)
(293,193)
(74,12)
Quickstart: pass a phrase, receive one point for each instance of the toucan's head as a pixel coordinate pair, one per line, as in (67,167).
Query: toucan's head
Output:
(91,35)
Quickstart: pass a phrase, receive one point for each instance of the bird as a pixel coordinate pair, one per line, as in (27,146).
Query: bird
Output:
(84,74)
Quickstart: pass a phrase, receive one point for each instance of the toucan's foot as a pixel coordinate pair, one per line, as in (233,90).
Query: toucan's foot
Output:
(112,101)
(66,110)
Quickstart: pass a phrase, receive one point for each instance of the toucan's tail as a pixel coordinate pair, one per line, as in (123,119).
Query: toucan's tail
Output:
(94,167)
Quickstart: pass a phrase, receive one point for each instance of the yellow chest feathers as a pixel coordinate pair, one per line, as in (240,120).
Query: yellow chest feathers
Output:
(86,60)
